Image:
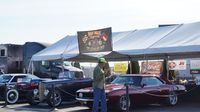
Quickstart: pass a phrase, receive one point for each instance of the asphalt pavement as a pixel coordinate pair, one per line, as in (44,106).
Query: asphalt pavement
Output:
(76,107)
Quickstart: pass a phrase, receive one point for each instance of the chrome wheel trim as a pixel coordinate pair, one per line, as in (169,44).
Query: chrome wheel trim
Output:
(12,96)
(173,99)
(57,99)
(123,103)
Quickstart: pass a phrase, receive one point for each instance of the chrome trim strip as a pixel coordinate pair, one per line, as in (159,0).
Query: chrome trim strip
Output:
(82,99)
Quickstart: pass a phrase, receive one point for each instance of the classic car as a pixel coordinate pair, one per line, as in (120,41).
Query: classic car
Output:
(65,87)
(17,86)
(143,89)
(54,71)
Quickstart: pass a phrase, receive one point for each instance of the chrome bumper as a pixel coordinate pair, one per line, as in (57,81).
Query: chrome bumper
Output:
(85,100)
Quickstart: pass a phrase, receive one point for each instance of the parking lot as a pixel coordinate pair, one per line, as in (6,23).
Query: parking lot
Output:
(76,107)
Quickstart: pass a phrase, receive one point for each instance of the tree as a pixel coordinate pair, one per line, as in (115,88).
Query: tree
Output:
(135,67)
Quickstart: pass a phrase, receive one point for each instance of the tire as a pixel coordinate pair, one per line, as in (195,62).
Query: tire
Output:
(31,99)
(122,105)
(58,99)
(12,96)
(172,99)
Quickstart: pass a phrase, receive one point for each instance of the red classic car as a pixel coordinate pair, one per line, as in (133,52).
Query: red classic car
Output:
(143,89)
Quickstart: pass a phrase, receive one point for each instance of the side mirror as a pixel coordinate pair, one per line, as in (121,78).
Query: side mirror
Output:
(143,85)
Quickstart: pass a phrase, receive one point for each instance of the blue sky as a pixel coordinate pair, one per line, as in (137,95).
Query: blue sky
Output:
(50,20)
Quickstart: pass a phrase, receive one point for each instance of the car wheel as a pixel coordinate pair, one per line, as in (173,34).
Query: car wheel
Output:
(172,99)
(57,99)
(31,99)
(123,103)
(12,96)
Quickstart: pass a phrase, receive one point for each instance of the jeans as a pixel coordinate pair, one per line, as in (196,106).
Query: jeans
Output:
(99,95)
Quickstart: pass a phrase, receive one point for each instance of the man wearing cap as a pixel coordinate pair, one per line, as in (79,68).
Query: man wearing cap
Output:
(98,86)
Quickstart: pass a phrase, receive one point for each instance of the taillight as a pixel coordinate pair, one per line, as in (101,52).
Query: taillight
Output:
(34,83)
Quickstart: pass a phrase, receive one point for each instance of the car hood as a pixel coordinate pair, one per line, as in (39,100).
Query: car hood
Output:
(108,88)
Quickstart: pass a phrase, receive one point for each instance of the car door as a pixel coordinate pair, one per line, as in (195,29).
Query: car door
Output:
(151,89)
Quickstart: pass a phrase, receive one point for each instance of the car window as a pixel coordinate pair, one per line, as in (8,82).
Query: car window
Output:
(134,80)
(110,79)
(5,78)
(71,74)
(17,77)
(78,75)
(151,81)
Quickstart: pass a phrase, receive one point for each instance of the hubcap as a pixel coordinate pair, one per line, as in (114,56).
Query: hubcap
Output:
(173,99)
(123,104)
(57,99)
(12,96)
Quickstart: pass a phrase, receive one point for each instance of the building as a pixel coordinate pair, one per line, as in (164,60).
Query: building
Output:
(11,58)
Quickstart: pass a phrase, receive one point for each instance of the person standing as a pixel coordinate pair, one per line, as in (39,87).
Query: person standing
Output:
(99,86)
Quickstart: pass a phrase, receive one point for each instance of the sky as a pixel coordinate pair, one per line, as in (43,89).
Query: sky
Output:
(50,20)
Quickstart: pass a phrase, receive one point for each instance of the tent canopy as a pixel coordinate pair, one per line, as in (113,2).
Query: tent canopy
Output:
(178,41)
(64,48)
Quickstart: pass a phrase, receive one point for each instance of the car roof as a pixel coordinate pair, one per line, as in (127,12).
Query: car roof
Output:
(21,74)
(143,75)
(71,68)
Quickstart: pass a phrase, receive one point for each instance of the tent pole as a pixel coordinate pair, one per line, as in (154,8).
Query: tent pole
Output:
(32,67)
(63,66)
(167,67)
(130,63)
(29,66)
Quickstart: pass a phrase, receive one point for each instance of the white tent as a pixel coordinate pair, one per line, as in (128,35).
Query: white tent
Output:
(64,48)
(67,48)
(183,41)
(178,41)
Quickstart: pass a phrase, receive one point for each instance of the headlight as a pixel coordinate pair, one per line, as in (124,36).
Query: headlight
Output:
(35,91)
(46,92)
(10,86)
(80,95)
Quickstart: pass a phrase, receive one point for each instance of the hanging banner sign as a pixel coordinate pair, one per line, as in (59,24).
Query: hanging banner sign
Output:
(195,66)
(120,67)
(95,40)
(152,67)
(177,65)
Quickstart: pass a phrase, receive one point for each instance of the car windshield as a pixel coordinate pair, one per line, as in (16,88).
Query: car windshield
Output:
(5,78)
(133,80)
(72,74)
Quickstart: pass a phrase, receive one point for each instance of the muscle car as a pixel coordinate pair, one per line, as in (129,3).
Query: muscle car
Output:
(143,89)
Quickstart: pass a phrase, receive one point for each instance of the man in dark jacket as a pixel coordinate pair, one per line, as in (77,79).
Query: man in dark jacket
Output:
(99,86)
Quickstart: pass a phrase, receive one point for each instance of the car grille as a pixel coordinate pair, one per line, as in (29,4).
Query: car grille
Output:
(41,91)
(86,95)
